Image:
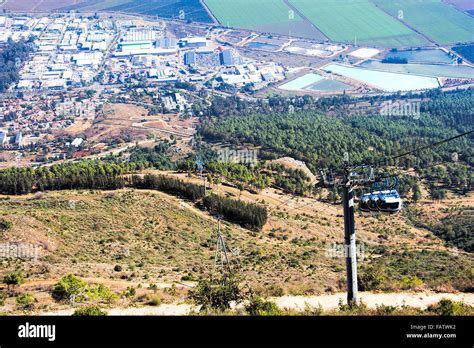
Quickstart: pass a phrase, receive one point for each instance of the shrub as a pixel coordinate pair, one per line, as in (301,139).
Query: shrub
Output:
(187,277)
(171,290)
(385,310)
(118,268)
(261,307)
(353,308)
(5,225)
(312,310)
(275,290)
(14,278)
(26,301)
(154,300)
(372,278)
(410,283)
(216,293)
(447,307)
(130,292)
(100,292)
(89,311)
(68,286)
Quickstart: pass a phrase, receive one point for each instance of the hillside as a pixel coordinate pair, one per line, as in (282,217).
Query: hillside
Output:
(156,238)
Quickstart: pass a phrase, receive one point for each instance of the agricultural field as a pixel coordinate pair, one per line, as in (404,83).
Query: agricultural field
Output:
(358,20)
(272,16)
(37,5)
(187,9)
(467,52)
(462,4)
(438,21)
(95,5)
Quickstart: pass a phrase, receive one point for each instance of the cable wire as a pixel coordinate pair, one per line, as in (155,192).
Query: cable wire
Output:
(435,144)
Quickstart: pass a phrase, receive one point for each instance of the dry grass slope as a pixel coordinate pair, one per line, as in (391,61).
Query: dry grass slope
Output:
(156,238)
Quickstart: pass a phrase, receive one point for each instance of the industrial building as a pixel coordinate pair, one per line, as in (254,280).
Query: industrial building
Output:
(3,138)
(190,58)
(77,142)
(144,42)
(137,35)
(193,42)
(69,50)
(18,139)
(226,57)
(166,43)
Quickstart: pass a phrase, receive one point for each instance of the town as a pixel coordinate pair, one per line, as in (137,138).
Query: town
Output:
(236,158)
(79,70)
(79,63)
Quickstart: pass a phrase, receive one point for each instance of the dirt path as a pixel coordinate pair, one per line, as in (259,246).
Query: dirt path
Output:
(164,309)
(298,303)
(108,282)
(419,300)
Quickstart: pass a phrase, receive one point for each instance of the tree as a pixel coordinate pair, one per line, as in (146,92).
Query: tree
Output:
(437,193)
(216,293)
(332,195)
(14,278)
(14,53)
(67,287)
(240,187)
(416,193)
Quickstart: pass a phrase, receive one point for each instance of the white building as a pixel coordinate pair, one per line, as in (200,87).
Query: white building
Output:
(77,142)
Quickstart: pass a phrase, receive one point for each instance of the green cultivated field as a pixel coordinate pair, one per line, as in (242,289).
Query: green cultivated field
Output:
(246,14)
(262,15)
(440,22)
(346,20)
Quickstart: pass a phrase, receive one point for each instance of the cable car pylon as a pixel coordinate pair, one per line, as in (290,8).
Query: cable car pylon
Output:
(347,181)
(221,257)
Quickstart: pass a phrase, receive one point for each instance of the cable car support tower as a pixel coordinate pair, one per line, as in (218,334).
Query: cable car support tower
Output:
(348,180)
(221,256)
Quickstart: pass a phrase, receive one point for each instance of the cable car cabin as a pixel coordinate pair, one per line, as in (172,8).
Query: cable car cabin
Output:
(364,202)
(369,202)
(390,202)
(374,201)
